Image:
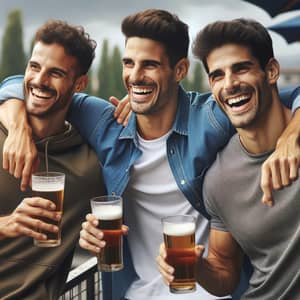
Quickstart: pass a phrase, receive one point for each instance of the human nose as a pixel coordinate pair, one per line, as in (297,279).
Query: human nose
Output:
(137,74)
(231,81)
(41,78)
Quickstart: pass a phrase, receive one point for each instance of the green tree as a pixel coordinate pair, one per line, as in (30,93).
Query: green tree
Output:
(117,85)
(13,56)
(186,83)
(104,71)
(32,43)
(89,89)
(197,81)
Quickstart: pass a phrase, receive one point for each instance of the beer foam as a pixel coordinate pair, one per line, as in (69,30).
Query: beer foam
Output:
(46,187)
(108,212)
(179,229)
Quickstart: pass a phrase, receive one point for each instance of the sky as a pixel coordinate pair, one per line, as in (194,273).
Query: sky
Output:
(102,18)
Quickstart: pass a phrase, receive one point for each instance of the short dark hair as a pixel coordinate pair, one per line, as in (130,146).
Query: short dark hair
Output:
(74,39)
(161,26)
(244,32)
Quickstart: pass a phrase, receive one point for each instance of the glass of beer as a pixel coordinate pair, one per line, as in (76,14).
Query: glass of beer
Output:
(108,211)
(50,185)
(179,238)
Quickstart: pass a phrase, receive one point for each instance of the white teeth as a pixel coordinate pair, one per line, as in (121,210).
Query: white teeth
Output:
(39,93)
(237,99)
(140,90)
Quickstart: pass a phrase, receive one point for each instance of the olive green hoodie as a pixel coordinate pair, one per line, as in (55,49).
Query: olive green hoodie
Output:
(30,272)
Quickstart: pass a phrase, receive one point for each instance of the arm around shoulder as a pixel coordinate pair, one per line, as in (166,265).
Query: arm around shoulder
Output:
(19,151)
(88,112)
(282,167)
(12,88)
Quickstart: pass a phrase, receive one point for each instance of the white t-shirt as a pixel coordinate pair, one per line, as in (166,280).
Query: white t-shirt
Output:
(152,193)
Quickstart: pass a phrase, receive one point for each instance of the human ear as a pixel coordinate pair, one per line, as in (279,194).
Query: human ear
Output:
(181,69)
(81,83)
(272,70)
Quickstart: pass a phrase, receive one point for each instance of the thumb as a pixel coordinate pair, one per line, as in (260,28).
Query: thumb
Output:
(267,199)
(199,250)
(114,100)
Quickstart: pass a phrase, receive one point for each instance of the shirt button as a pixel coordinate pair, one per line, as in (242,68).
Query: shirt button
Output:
(172,151)
(182,182)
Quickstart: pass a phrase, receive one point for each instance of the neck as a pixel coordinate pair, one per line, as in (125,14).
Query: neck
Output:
(43,128)
(262,136)
(157,124)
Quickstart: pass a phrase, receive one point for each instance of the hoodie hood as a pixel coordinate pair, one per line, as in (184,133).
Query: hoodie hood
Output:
(60,142)
(56,144)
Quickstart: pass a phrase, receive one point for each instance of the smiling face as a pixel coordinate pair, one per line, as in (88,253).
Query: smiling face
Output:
(50,80)
(239,84)
(151,83)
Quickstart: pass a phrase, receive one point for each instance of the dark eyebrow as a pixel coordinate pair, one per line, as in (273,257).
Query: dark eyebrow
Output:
(214,73)
(152,62)
(55,69)
(124,59)
(33,62)
(145,62)
(246,63)
(59,70)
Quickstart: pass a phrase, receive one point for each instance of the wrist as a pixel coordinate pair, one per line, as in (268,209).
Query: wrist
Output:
(13,114)
(3,227)
(19,127)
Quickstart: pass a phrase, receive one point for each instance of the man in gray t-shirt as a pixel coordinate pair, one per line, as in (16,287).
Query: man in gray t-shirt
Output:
(243,74)
(269,236)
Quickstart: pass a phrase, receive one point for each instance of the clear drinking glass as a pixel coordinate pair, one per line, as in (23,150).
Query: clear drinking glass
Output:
(108,211)
(179,238)
(50,185)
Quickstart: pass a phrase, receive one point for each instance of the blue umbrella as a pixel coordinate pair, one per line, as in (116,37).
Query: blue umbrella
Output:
(289,29)
(275,7)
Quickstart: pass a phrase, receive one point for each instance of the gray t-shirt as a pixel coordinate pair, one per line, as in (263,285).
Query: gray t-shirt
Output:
(269,236)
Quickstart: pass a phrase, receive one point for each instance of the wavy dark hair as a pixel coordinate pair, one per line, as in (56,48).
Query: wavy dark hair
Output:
(74,39)
(161,26)
(244,32)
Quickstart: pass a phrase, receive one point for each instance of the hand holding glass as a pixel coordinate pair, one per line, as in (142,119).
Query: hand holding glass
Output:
(50,185)
(179,238)
(108,211)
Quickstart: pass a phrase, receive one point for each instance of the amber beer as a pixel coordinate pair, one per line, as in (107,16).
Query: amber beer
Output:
(50,185)
(179,238)
(108,210)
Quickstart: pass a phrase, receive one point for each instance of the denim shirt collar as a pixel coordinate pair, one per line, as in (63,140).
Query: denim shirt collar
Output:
(180,124)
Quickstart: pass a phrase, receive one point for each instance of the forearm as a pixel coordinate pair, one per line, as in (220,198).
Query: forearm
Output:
(19,151)
(291,133)
(219,272)
(3,227)
(13,115)
(216,278)
(14,118)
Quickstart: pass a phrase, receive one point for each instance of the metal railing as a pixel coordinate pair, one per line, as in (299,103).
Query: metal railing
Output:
(83,282)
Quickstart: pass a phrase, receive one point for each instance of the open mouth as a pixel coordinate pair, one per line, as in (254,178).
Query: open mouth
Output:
(41,93)
(142,91)
(238,100)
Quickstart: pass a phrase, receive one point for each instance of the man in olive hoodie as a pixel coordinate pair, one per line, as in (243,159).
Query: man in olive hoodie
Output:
(61,57)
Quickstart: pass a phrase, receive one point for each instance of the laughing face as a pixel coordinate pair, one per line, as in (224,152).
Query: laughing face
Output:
(151,83)
(49,80)
(239,84)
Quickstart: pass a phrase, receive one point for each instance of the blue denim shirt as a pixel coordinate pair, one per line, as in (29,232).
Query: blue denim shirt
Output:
(199,131)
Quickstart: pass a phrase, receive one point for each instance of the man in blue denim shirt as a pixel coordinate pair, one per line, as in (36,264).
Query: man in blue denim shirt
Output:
(174,134)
